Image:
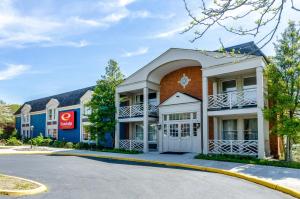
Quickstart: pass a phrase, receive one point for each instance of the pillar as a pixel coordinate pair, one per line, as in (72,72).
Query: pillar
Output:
(260,117)
(145,119)
(117,127)
(205,115)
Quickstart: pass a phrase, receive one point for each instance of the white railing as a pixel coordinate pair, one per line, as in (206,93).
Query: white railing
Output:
(132,145)
(234,147)
(236,99)
(137,111)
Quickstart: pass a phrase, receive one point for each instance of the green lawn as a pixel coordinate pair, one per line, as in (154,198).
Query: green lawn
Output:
(250,160)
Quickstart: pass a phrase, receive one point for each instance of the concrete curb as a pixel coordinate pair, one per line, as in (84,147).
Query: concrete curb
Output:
(40,189)
(249,178)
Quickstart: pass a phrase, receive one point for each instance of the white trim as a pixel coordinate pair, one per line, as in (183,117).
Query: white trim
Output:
(241,111)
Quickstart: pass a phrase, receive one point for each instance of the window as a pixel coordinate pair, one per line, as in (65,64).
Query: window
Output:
(165,117)
(139,99)
(139,132)
(52,114)
(229,86)
(165,129)
(85,133)
(185,130)
(174,130)
(152,133)
(87,110)
(195,129)
(230,129)
(52,133)
(250,129)
(249,82)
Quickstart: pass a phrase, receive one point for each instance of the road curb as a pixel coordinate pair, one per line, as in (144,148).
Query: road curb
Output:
(249,178)
(40,189)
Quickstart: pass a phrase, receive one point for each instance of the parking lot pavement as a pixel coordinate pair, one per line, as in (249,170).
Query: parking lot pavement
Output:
(79,177)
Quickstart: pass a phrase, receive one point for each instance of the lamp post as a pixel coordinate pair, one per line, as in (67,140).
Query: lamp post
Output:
(31,135)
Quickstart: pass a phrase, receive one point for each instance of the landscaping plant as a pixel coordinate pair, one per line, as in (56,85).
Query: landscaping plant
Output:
(102,117)
(283,74)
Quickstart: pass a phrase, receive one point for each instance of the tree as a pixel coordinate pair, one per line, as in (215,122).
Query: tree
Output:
(6,115)
(235,16)
(102,103)
(283,75)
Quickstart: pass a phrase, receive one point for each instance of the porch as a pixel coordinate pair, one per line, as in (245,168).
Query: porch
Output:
(234,135)
(132,136)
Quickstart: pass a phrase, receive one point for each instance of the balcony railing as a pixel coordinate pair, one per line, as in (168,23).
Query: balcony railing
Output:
(234,147)
(137,111)
(132,145)
(230,100)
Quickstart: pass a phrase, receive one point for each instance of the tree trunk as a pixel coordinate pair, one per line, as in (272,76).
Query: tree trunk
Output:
(288,148)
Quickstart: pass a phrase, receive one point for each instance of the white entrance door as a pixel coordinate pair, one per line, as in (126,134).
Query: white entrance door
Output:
(179,137)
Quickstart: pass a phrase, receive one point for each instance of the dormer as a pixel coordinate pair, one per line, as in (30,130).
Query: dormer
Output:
(84,100)
(25,114)
(51,110)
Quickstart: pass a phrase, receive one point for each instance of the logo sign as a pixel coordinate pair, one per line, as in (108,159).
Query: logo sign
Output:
(66,120)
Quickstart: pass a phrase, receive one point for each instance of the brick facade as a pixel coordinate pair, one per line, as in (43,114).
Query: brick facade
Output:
(169,85)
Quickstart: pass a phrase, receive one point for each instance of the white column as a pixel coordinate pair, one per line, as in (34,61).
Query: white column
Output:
(215,87)
(146,91)
(205,116)
(216,128)
(240,129)
(117,128)
(260,116)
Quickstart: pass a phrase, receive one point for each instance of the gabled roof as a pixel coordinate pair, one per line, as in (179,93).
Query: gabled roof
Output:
(249,48)
(180,98)
(65,99)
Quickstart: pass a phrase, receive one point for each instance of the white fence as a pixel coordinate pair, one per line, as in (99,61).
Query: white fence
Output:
(137,111)
(232,99)
(132,145)
(234,147)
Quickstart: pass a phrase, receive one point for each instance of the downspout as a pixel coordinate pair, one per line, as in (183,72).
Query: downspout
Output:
(201,115)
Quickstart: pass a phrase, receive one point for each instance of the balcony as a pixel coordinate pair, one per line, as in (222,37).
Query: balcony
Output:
(231,100)
(234,147)
(137,111)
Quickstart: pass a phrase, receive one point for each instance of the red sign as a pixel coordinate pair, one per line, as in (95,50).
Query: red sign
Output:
(66,120)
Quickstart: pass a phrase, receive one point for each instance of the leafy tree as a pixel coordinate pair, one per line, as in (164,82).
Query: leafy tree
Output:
(102,103)
(283,75)
(6,115)
(256,18)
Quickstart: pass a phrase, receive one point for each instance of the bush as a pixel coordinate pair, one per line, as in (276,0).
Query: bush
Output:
(2,142)
(13,141)
(69,145)
(37,141)
(58,144)
(82,145)
(46,142)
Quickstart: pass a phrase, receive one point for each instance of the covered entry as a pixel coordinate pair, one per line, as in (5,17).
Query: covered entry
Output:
(180,124)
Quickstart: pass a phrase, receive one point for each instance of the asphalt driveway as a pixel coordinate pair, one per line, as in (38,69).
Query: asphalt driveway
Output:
(78,177)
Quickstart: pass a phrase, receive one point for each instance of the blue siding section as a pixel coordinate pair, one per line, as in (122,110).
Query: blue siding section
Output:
(39,122)
(18,125)
(72,135)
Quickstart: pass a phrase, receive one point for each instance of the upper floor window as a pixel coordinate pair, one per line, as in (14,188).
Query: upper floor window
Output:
(249,83)
(229,86)
(25,118)
(87,110)
(52,114)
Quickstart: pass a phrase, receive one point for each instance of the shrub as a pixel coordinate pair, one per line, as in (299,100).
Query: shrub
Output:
(13,141)
(69,145)
(82,145)
(2,142)
(46,142)
(37,141)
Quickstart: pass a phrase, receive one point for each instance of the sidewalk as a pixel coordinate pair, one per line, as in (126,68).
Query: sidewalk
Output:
(283,176)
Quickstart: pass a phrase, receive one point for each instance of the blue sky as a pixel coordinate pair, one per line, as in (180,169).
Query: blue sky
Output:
(53,46)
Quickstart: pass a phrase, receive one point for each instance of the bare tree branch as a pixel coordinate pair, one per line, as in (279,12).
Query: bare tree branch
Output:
(223,13)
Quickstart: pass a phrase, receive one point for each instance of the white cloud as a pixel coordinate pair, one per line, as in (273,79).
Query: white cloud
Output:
(43,28)
(168,33)
(140,51)
(13,70)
